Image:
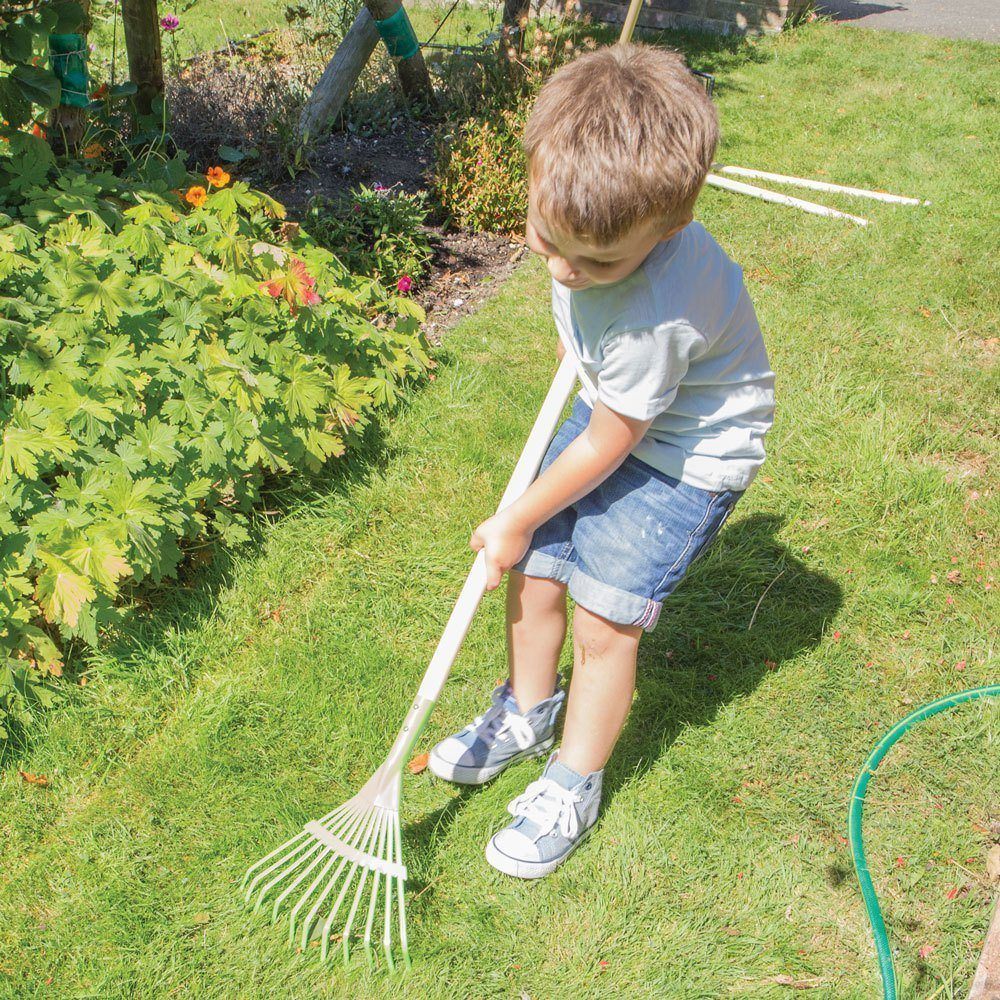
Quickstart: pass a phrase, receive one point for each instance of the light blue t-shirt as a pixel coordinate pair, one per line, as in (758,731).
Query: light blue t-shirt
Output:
(678,341)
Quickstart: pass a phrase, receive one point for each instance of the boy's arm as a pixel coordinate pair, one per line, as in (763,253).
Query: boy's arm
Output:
(584,464)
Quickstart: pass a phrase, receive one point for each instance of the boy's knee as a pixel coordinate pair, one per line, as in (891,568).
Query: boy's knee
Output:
(597,633)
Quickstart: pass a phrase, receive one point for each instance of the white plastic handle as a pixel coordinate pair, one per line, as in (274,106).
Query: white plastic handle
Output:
(522,477)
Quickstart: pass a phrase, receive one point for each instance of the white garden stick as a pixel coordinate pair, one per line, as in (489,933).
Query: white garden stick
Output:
(804,182)
(781,199)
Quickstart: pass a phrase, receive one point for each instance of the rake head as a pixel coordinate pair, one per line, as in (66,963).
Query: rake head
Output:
(346,865)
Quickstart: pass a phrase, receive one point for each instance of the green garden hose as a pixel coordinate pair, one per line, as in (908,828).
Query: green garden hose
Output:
(854,821)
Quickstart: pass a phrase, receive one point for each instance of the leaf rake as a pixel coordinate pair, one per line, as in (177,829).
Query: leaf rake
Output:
(355,852)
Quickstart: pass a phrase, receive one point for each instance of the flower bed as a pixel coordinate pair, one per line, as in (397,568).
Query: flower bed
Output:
(166,341)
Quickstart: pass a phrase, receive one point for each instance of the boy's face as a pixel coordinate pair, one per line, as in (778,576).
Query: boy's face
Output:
(578,263)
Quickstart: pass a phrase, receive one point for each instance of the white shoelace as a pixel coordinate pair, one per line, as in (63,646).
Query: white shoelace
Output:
(546,803)
(513,723)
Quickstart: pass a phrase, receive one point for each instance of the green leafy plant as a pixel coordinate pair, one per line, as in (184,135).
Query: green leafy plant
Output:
(166,342)
(480,175)
(375,230)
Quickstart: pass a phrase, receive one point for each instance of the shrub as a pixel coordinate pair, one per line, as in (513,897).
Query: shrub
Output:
(480,176)
(161,350)
(377,231)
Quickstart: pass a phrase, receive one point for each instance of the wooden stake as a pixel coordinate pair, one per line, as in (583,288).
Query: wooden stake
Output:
(331,92)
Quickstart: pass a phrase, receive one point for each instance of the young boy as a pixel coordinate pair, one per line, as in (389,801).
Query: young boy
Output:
(641,477)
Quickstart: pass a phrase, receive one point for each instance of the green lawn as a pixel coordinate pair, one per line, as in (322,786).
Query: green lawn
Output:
(262,690)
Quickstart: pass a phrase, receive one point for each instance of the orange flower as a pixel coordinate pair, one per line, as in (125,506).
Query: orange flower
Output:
(101,92)
(217,177)
(93,151)
(196,196)
(38,131)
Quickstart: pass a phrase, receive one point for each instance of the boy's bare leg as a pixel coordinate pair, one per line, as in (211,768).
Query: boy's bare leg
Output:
(601,693)
(536,630)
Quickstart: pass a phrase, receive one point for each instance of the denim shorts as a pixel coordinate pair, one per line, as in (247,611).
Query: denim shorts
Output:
(626,545)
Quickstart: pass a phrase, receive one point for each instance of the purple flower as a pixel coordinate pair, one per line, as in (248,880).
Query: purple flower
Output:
(170,22)
(404,284)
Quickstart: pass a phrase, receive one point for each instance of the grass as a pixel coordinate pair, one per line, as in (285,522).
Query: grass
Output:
(263,688)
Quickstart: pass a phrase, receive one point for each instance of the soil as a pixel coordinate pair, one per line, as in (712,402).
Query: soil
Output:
(467,267)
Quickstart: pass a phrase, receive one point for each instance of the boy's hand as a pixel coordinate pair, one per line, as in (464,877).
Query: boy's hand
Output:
(504,540)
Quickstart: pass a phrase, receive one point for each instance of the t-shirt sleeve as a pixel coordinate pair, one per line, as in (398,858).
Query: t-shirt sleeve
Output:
(642,368)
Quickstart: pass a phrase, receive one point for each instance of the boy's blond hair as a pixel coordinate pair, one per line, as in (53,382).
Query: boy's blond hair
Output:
(617,137)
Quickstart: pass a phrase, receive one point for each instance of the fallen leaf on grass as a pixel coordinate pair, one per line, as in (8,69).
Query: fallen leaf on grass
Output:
(418,764)
(926,950)
(40,780)
(202,918)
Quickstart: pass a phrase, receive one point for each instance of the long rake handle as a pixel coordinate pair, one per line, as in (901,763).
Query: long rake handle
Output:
(522,477)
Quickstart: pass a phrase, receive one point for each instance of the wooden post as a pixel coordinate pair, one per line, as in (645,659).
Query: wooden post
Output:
(145,56)
(412,72)
(986,985)
(331,92)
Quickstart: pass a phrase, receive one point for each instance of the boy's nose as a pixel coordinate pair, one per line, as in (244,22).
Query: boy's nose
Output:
(561,271)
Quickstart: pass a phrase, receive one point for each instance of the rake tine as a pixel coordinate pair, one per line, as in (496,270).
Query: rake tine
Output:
(310,920)
(287,870)
(328,923)
(293,916)
(298,881)
(288,843)
(394,858)
(361,888)
(383,830)
(402,902)
(372,818)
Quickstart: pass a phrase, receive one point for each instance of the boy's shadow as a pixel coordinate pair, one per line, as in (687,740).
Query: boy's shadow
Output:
(745,607)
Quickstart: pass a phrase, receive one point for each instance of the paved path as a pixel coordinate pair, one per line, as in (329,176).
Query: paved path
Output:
(949,18)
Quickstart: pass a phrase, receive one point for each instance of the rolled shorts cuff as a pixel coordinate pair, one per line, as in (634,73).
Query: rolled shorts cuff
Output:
(548,567)
(618,606)
(615,605)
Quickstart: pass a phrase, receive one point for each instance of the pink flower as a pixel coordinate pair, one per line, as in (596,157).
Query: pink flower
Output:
(170,22)
(404,284)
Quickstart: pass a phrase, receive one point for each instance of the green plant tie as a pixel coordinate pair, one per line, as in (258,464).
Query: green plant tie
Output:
(882,948)
(397,33)
(69,64)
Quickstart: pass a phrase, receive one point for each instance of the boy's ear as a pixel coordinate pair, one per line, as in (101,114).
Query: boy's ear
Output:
(677,224)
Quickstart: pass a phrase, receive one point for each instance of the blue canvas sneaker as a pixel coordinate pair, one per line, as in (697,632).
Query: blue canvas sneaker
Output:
(497,738)
(551,819)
